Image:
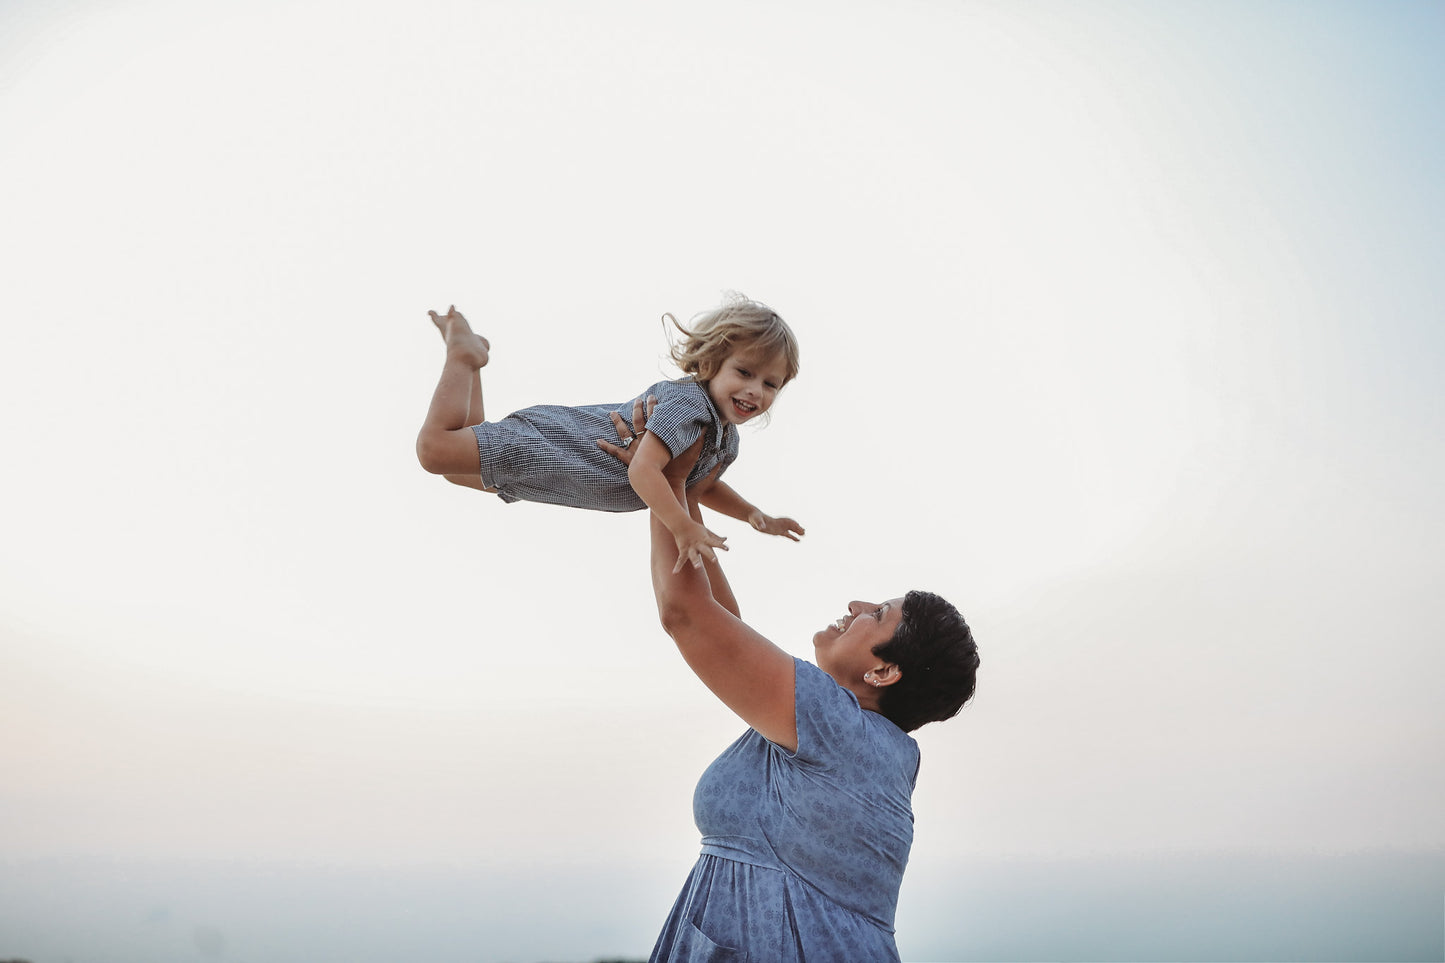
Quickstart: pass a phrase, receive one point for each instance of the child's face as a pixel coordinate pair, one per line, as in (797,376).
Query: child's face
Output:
(746,384)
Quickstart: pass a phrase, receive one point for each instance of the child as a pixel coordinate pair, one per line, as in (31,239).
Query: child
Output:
(738,355)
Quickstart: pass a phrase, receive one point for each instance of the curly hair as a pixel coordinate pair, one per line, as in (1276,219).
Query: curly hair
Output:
(938,659)
(736,324)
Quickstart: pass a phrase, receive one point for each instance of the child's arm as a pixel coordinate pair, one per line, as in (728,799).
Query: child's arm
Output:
(721,498)
(656,476)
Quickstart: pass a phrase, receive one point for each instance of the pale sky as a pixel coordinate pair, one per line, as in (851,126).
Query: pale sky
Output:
(1121,328)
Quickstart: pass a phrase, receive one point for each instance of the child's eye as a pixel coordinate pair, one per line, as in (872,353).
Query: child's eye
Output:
(771,385)
(745,372)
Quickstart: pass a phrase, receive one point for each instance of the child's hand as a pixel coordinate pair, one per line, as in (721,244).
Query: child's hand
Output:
(769,525)
(695,544)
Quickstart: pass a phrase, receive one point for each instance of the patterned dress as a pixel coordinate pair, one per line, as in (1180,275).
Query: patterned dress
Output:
(802,853)
(549,453)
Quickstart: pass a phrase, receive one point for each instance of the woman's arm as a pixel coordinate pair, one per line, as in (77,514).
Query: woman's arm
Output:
(748,673)
(722,591)
(752,676)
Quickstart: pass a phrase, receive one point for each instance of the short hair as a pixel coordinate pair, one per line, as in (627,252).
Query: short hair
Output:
(938,662)
(736,324)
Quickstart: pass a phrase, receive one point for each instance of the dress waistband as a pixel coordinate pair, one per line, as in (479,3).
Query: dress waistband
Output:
(742,849)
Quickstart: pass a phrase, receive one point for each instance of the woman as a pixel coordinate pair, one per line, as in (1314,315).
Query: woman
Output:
(806,819)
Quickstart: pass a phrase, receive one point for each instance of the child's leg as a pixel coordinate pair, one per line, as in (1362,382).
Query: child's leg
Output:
(475,414)
(446,445)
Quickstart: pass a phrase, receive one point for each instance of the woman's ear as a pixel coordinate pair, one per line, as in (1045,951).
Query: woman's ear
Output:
(885,674)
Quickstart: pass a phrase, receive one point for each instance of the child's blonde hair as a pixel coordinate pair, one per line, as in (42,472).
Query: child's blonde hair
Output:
(736,324)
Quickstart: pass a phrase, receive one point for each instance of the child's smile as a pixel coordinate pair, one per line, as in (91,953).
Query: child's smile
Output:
(746,384)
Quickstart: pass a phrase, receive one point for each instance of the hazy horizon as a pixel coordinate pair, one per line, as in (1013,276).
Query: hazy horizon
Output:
(1227,907)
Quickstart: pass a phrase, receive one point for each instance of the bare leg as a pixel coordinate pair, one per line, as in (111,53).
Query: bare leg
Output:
(446,445)
(475,414)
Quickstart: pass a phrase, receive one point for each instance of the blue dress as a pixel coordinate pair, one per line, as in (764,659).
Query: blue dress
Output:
(549,453)
(802,853)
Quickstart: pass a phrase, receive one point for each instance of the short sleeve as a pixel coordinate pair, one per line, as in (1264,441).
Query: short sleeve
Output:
(831,724)
(682,414)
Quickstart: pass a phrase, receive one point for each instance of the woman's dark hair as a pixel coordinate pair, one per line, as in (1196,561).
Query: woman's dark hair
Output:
(938,662)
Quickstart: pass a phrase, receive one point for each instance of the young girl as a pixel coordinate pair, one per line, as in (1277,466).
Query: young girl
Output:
(739,356)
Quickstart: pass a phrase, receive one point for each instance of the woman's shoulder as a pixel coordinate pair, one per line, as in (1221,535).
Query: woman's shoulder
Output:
(836,725)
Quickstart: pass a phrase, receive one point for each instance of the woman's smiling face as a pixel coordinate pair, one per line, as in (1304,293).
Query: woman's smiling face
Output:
(844,649)
(747,383)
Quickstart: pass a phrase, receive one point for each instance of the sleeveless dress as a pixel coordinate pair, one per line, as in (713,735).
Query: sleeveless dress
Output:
(802,853)
(549,453)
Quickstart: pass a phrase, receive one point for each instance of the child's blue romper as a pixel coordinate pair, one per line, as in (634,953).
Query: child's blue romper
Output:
(549,453)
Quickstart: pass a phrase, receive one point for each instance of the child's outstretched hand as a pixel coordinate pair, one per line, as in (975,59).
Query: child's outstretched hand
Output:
(769,525)
(695,545)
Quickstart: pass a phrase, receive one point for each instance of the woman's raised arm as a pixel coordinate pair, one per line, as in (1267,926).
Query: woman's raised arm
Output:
(752,676)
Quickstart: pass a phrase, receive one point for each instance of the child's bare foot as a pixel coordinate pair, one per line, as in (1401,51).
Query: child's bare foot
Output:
(461,341)
(452,316)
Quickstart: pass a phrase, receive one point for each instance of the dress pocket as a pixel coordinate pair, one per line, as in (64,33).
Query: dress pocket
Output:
(693,946)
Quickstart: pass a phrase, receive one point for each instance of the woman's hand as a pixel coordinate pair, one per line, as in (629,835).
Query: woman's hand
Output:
(641,411)
(769,525)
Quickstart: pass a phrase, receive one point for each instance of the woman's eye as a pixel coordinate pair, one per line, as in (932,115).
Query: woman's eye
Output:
(878,614)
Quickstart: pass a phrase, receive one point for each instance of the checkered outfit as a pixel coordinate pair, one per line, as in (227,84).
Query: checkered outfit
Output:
(549,453)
